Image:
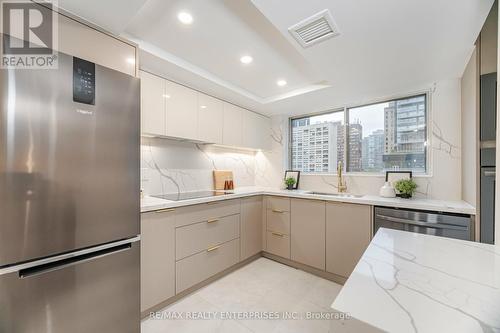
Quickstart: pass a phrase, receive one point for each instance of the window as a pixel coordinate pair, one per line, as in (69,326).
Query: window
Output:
(321,141)
(390,135)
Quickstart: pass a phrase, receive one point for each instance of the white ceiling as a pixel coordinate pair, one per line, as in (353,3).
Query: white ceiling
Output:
(386,47)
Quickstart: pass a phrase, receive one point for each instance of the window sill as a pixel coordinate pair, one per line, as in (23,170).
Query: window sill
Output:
(359,174)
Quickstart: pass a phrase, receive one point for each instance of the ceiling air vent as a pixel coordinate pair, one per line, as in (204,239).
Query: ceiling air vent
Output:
(314,29)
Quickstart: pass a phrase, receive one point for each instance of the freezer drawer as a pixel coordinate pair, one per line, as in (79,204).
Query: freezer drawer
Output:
(89,292)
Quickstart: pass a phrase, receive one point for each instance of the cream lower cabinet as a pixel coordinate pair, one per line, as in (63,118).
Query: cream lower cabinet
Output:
(348,233)
(251,227)
(202,265)
(278,226)
(207,238)
(157,258)
(307,240)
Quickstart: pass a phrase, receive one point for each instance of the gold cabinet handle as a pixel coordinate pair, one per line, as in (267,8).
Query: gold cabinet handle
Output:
(212,220)
(213,248)
(167,210)
(278,211)
(277,234)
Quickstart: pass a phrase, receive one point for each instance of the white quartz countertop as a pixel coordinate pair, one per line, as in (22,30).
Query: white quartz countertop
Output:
(151,203)
(409,282)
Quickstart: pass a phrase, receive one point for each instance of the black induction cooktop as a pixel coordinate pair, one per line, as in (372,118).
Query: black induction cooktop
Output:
(191,195)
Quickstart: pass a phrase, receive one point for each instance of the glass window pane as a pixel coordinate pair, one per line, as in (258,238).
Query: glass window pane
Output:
(318,142)
(388,136)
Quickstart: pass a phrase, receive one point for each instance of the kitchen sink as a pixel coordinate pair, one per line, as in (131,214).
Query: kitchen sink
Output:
(339,195)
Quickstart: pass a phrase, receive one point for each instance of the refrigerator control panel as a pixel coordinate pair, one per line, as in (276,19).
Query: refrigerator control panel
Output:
(83,81)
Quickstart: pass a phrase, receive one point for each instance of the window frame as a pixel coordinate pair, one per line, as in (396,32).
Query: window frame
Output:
(345,109)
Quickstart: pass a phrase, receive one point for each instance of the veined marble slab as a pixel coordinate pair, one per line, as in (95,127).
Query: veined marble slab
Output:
(150,203)
(409,282)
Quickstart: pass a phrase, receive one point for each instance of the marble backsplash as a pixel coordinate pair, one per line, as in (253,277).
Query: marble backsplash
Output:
(170,166)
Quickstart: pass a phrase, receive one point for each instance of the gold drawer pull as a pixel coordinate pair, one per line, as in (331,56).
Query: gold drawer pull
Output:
(213,248)
(277,234)
(212,220)
(278,211)
(167,210)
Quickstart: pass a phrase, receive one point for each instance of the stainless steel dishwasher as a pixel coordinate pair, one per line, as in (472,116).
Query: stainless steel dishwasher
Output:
(431,223)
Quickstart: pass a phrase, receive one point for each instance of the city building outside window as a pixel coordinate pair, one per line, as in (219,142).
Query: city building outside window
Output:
(390,135)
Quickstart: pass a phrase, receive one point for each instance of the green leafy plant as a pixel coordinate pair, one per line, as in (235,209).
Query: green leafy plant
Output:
(290,182)
(406,187)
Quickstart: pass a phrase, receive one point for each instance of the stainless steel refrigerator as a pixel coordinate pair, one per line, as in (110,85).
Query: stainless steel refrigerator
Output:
(69,199)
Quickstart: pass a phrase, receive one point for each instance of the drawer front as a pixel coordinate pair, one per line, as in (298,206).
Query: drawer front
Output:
(198,237)
(278,244)
(204,212)
(278,221)
(201,266)
(278,204)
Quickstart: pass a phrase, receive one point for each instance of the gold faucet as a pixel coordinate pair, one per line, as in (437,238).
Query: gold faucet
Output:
(342,185)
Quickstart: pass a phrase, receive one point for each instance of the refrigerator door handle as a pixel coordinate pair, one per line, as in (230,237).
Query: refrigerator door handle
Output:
(57,265)
(489,173)
(50,264)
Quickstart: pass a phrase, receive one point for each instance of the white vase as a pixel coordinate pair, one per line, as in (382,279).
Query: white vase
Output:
(387,191)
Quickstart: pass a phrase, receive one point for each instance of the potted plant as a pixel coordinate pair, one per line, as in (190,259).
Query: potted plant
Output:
(290,182)
(406,188)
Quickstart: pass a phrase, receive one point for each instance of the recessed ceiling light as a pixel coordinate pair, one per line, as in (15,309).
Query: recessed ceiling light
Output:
(131,61)
(246,59)
(166,96)
(185,17)
(203,106)
(281,83)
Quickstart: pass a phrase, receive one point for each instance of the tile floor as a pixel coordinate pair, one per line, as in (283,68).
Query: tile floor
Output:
(261,286)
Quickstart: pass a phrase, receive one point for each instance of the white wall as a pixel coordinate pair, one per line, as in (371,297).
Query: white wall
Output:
(444,181)
(469,130)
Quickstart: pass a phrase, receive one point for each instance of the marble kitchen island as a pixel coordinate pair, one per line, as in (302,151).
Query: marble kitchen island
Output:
(409,282)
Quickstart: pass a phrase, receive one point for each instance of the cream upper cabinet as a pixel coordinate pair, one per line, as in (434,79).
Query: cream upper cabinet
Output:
(232,125)
(182,111)
(172,110)
(307,240)
(81,41)
(264,127)
(256,131)
(210,119)
(348,233)
(152,104)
